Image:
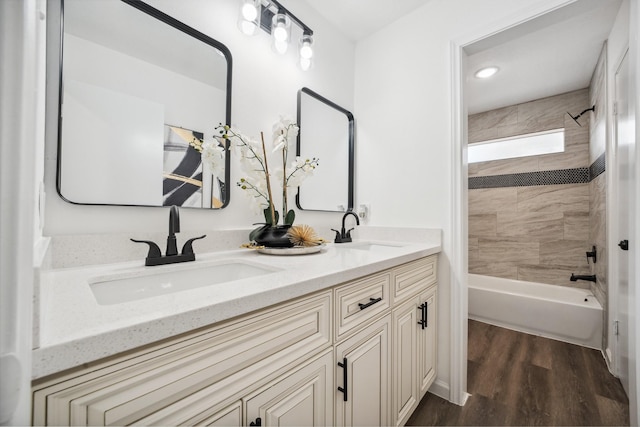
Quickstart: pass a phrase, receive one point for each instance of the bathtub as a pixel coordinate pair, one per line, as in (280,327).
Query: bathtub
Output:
(567,314)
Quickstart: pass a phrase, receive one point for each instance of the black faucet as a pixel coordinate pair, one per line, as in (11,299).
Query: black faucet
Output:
(174,227)
(591,278)
(344,236)
(154,257)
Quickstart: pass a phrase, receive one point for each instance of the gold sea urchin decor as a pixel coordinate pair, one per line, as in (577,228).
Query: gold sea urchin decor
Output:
(303,235)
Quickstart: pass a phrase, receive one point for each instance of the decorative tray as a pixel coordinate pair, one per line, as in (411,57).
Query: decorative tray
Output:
(296,250)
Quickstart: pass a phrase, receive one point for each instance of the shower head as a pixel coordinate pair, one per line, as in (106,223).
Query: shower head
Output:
(575,118)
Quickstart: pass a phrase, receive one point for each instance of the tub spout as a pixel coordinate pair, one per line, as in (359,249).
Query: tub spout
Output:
(591,278)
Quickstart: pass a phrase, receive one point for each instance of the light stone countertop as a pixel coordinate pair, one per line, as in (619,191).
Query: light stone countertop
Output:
(75,329)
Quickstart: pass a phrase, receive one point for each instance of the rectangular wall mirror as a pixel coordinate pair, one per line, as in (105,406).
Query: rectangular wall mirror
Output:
(326,132)
(136,86)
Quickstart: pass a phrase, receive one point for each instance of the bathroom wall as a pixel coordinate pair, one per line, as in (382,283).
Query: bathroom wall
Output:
(521,230)
(264,86)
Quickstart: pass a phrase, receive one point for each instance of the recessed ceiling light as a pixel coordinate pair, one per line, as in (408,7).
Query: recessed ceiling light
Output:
(485,73)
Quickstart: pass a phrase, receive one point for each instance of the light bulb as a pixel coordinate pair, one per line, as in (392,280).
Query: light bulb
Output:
(305,63)
(280,33)
(249,11)
(248,27)
(306,49)
(280,27)
(249,17)
(280,46)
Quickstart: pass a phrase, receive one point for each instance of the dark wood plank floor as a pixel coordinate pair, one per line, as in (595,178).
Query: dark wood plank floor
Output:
(521,379)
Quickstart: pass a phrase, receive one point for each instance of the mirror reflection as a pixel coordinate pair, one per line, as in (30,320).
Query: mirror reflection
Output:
(137,86)
(326,132)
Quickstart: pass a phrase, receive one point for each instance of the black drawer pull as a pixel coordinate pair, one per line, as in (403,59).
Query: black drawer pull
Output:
(370,303)
(426,315)
(258,422)
(343,365)
(422,321)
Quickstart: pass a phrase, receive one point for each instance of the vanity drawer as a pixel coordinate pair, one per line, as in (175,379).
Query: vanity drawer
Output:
(229,357)
(414,277)
(359,301)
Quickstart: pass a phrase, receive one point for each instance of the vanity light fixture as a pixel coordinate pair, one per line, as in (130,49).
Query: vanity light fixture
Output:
(486,72)
(276,20)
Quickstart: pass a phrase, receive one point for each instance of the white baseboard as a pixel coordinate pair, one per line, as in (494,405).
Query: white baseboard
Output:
(440,389)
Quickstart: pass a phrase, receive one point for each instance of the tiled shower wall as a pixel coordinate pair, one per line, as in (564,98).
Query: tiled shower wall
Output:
(529,217)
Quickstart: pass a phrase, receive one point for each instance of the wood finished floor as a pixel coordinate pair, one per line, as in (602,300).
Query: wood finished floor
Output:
(521,379)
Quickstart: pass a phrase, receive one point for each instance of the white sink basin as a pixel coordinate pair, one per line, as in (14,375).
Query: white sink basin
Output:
(369,246)
(124,287)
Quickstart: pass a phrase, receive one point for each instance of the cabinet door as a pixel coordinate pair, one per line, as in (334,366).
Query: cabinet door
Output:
(301,398)
(404,360)
(362,377)
(427,341)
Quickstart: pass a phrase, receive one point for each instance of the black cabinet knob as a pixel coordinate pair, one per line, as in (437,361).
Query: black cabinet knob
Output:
(624,245)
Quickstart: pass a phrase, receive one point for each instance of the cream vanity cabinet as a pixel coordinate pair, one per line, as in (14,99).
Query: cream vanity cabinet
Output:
(414,336)
(217,375)
(362,353)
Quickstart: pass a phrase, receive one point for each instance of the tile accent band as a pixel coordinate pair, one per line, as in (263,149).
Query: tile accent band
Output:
(526,179)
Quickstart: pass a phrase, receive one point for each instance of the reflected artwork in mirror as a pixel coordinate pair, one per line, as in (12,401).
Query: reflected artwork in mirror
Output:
(326,132)
(136,87)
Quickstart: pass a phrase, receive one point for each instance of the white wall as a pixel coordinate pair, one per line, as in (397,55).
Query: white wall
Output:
(403,105)
(265,86)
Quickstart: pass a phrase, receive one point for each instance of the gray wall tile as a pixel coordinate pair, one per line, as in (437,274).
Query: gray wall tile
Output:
(540,226)
(491,119)
(509,250)
(576,226)
(482,225)
(565,253)
(494,269)
(554,198)
(487,200)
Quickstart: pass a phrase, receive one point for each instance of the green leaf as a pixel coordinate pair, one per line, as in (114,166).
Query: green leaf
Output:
(267,216)
(290,217)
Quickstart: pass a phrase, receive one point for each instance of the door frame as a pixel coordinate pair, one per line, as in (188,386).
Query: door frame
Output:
(459,200)
(613,196)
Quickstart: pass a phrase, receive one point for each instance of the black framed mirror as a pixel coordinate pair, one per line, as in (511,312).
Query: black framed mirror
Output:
(136,86)
(326,132)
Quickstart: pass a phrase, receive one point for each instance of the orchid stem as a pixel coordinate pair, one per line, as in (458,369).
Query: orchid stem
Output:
(284,181)
(266,171)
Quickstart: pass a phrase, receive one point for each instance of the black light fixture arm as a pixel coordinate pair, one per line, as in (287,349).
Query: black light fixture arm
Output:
(281,9)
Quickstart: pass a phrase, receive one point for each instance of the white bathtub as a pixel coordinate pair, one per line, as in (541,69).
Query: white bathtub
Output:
(566,314)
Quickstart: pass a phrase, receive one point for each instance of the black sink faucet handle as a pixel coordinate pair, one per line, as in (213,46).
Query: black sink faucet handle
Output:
(187,249)
(154,250)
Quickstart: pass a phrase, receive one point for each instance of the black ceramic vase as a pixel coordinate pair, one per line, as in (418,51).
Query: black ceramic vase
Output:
(274,236)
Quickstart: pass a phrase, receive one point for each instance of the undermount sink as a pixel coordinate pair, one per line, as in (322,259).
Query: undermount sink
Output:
(368,246)
(124,287)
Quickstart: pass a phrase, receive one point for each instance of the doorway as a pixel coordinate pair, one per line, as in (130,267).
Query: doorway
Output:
(524,22)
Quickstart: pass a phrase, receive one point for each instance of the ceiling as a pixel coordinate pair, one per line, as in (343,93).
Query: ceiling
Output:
(357,19)
(546,56)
